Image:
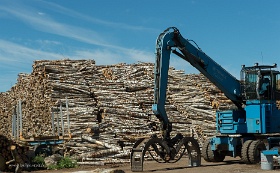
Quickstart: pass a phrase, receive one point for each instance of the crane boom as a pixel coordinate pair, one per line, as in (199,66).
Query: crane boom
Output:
(168,42)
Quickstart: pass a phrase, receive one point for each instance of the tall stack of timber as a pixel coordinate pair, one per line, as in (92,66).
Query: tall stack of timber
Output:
(109,106)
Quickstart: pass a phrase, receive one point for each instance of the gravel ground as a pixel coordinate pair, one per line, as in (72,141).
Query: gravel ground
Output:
(230,165)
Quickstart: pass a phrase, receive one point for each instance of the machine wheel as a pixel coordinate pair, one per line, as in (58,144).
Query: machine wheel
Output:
(254,151)
(204,152)
(245,151)
(218,157)
(42,150)
(57,150)
(211,156)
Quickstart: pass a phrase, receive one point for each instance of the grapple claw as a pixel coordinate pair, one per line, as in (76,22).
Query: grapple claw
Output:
(163,151)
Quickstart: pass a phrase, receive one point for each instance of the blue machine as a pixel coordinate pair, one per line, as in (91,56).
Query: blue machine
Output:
(245,130)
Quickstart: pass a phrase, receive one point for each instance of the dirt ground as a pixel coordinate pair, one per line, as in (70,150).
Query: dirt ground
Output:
(230,165)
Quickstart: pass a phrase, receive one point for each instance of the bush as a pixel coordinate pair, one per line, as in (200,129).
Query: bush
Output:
(66,162)
(38,163)
(39,160)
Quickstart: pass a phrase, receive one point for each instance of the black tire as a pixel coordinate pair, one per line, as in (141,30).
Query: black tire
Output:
(254,151)
(218,157)
(211,156)
(57,150)
(244,151)
(43,150)
(204,152)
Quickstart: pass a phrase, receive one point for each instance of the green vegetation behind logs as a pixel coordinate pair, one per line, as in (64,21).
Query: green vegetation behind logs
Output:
(39,160)
(65,162)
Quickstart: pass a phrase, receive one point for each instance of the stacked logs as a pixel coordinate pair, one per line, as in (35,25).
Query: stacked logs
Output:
(109,106)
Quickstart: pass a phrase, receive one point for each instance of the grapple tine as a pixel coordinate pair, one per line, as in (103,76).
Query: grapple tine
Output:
(137,155)
(163,152)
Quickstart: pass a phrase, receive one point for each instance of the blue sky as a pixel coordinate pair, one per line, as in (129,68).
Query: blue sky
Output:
(116,31)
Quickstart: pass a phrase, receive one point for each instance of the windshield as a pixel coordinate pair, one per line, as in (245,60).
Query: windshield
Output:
(251,79)
(277,93)
(260,83)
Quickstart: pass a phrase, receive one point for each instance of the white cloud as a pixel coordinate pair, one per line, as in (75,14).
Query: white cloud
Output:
(48,42)
(11,52)
(41,13)
(139,55)
(110,56)
(101,57)
(48,25)
(72,13)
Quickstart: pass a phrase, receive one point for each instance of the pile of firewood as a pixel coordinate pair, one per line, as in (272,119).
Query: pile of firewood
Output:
(109,106)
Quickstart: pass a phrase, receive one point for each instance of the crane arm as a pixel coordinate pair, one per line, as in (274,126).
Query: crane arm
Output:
(169,41)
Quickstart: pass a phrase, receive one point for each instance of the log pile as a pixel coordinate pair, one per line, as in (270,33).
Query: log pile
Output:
(109,106)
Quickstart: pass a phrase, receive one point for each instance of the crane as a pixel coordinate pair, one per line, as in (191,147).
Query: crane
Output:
(244,131)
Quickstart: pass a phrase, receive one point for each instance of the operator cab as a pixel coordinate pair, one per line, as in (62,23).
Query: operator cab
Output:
(260,82)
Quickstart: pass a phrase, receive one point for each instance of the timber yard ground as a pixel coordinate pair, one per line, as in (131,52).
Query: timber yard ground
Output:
(230,165)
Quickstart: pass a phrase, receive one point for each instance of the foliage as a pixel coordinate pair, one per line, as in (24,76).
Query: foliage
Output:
(38,163)
(39,160)
(66,162)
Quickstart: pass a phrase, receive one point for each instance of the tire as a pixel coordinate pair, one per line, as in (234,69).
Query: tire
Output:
(204,152)
(211,156)
(244,151)
(254,151)
(42,150)
(218,157)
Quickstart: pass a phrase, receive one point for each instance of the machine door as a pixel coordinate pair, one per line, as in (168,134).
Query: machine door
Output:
(253,118)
